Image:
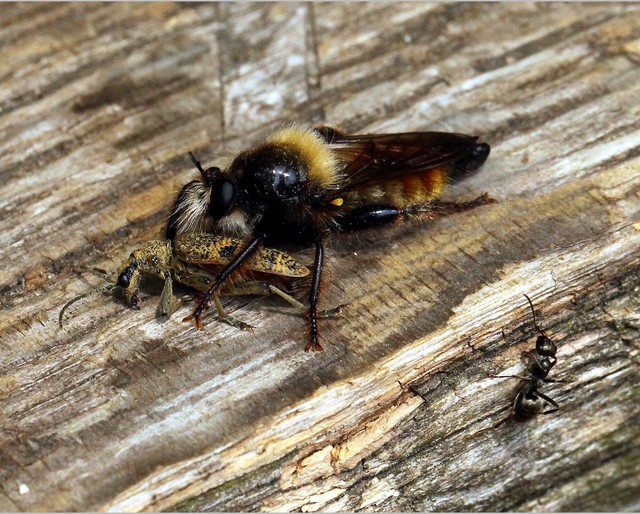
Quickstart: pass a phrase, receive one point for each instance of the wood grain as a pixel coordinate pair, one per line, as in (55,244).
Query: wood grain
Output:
(99,105)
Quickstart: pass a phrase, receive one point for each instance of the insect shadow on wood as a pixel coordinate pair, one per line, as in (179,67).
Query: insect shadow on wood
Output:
(530,400)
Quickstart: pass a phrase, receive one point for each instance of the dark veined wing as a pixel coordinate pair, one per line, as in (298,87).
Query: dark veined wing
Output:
(374,159)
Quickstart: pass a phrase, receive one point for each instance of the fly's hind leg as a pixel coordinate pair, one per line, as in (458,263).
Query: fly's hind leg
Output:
(438,208)
(370,216)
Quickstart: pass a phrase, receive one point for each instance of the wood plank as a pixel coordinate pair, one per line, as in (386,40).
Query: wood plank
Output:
(119,411)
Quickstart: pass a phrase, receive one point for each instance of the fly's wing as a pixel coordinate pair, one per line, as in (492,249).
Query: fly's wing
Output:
(376,159)
(208,250)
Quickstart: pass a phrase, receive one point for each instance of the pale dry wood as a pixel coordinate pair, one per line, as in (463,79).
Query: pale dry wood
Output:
(99,106)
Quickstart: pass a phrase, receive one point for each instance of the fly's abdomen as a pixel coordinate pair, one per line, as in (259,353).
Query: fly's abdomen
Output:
(414,189)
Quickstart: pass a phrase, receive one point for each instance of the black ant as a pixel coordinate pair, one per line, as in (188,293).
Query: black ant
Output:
(530,400)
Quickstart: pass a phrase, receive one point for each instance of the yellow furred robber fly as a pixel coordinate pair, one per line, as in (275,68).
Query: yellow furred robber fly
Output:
(299,185)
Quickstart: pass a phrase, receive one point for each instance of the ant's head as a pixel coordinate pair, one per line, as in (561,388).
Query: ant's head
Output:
(223,190)
(545,346)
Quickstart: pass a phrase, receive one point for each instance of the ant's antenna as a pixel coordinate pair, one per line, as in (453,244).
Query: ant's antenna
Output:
(533,311)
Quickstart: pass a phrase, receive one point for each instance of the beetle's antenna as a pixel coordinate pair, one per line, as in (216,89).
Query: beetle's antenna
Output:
(533,311)
(104,289)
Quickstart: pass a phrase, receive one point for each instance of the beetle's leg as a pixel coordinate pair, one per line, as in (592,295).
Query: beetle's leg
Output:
(200,280)
(230,320)
(259,288)
(168,302)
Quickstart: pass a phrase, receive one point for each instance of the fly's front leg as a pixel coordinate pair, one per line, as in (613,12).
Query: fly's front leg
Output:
(235,265)
(200,280)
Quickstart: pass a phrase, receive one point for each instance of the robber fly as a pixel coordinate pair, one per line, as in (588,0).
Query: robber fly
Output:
(530,400)
(299,185)
(194,260)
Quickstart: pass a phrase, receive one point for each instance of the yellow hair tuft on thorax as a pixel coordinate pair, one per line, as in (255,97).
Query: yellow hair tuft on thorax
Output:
(322,164)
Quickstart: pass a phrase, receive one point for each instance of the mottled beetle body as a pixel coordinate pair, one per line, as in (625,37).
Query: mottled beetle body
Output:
(194,260)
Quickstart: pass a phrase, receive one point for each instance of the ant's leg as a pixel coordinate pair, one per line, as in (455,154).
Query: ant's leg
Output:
(233,266)
(554,381)
(549,401)
(526,379)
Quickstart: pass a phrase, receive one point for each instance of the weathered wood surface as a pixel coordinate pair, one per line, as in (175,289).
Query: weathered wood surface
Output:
(99,105)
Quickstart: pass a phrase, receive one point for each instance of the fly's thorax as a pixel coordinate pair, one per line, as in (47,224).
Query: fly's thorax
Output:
(235,224)
(292,166)
(270,175)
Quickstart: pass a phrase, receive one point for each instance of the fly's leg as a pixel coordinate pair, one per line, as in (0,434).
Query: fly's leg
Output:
(445,208)
(377,215)
(234,265)
(313,345)
(200,280)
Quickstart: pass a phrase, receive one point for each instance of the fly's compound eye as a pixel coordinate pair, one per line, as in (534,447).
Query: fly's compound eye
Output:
(223,195)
